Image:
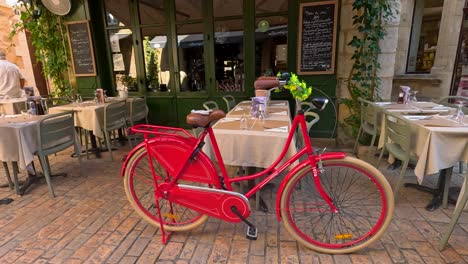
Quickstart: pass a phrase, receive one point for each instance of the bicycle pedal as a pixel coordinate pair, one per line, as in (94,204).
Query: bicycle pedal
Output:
(252,233)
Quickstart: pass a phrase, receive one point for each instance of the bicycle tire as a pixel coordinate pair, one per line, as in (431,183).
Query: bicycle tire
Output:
(364,199)
(142,199)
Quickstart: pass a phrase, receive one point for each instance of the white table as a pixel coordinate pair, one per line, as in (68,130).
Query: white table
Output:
(89,115)
(12,106)
(18,142)
(256,147)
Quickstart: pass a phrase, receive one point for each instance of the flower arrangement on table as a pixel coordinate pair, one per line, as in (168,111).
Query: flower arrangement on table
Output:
(298,88)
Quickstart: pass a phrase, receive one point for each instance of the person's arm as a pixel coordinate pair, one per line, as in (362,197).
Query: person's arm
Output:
(22,81)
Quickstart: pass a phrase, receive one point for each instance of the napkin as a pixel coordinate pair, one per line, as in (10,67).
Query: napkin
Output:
(278,129)
(229,119)
(240,108)
(417,117)
(279,113)
(278,104)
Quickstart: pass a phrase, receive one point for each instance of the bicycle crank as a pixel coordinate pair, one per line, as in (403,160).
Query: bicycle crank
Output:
(213,202)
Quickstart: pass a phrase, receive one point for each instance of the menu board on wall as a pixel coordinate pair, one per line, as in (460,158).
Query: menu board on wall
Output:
(80,42)
(317,37)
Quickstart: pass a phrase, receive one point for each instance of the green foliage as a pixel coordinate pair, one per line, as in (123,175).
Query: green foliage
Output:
(363,80)
(298,88)
(49,42)
(128,81)
(151,59)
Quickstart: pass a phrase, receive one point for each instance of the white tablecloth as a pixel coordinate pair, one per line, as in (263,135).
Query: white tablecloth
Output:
(438,142)
(18,139)
(12,106)
(254,147)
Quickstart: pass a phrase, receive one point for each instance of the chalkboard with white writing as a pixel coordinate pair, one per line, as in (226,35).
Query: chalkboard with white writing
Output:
(79,39)
(317,38)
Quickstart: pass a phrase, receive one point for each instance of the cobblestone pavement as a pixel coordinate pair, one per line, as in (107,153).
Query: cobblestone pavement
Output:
(90,221)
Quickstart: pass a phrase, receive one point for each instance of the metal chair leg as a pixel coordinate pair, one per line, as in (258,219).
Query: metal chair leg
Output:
(463,198)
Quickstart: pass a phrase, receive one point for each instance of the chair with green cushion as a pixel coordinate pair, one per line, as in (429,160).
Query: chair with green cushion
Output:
(55,133)
(210,105)
(114,118)
(397,143)
(369,124)
(230,102)
(461,203)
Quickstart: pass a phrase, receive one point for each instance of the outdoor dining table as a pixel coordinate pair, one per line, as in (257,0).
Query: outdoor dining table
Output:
(18,141)
(438,141)
(259,145)
(12,106)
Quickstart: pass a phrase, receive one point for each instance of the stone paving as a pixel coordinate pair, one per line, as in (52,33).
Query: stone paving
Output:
(90,221)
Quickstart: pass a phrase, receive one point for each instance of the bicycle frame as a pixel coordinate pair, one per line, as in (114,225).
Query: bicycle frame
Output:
(307,149)
(271,172)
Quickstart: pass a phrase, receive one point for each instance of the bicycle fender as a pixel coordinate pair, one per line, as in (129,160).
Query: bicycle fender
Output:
(325,156)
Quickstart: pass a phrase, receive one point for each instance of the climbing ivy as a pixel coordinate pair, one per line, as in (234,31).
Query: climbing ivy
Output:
(49,42)
(363,80)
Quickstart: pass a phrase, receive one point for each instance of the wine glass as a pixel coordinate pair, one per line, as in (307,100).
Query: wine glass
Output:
(413,98)
(459,116)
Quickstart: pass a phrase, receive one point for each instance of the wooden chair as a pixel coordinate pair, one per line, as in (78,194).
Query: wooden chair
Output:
(230,102)
(56,133)
(397,143)
(369,123)
(210,105)
(114,119)
(461,203)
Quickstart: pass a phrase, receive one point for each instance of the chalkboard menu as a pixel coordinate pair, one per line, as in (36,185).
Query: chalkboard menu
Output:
(317,37)
(79,39)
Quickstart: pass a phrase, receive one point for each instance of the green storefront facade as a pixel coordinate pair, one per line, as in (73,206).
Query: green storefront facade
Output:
(183,53)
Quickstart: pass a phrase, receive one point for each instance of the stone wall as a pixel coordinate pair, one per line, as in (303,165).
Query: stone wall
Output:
(393,58)
(387,60)
(19,53)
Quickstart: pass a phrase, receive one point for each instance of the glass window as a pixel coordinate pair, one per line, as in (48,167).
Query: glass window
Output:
(271,45)
(123,58)
(269,6)
(424,35)
(115,14)
(460,80)
(188,9)
(157,72)
(191,57)
(229,55)
(151,12)
(223,8)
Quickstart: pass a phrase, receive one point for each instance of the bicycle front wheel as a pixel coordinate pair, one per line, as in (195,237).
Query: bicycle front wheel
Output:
(361,194)
(140,185)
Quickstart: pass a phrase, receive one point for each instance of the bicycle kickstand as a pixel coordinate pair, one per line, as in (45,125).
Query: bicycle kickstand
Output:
(252,231)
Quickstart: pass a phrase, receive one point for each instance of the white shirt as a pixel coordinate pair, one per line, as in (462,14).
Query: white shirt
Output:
(10,77)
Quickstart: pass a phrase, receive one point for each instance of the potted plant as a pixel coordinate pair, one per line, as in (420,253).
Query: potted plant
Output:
(129,82)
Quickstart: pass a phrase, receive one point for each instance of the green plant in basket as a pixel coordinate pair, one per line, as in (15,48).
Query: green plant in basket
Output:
(298,88)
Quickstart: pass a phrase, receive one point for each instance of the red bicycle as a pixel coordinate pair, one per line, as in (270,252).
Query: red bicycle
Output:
(329,202)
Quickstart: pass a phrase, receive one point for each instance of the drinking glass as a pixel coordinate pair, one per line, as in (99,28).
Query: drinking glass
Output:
(243,123)
(459,116)
(413,98)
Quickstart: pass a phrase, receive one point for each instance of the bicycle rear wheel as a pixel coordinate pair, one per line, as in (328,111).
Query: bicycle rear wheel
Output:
(140,186)
(362,195)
